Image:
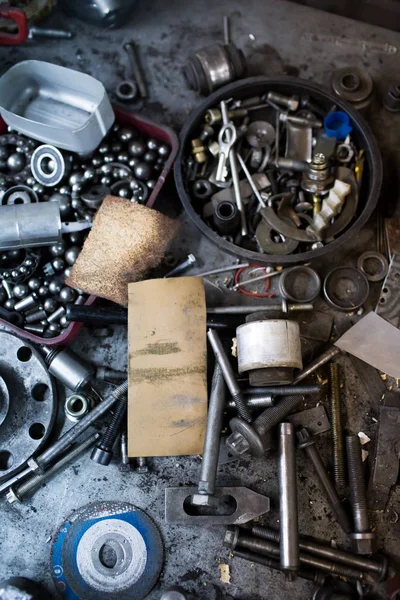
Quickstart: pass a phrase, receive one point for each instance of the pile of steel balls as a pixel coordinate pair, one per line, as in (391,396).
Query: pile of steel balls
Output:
(33,295)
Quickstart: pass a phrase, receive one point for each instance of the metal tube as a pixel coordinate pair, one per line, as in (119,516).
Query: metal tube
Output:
(282,390)
(250,180)
(289,539)
(257,401)
(228,374)
(247,309)
(320,549)
(216,407)
(322,359)
(222,270)
(307,443)
(227,33)
(16,494)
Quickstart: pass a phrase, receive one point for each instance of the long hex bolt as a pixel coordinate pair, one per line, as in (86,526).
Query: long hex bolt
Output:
(103,452)
(206,488)
(16,494)
(265,547)
(363,539)
(249,438)
(288,510)
(48,456)
(229,375)
(339,468)
(307,443)
(309,574)
(379,567)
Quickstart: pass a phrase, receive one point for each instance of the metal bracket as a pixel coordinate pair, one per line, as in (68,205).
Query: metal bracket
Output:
(249,505)
(314,419)
(388,304)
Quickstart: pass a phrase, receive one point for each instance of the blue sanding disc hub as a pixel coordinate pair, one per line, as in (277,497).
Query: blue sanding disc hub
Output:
(107,551)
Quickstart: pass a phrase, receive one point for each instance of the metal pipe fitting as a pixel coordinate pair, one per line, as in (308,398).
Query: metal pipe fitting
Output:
(288,510)
(208,473)
(364,540)
(70,369)
(378,567)
(307,443)
(229,376)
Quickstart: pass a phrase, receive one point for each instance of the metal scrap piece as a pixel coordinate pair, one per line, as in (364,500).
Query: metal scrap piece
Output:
(249,505)
(388,305)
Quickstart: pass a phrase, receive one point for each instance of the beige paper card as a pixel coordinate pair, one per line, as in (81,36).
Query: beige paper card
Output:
(167,401)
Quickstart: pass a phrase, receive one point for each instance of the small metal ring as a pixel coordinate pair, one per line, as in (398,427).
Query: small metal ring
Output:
(76,407)
(55,161)
(126,91)
(299,284)
(377,257)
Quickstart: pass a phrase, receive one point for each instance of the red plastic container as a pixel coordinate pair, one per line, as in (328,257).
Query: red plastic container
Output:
(149,129)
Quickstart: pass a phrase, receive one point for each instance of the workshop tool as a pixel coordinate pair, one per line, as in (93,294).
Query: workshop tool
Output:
(247,504)
(228,374)
(240,537)
(105,549)
(74,372)
(364,540)
(308,574)
(17,493)
(182,267)
(28,403)
(271,363)
(338,450)
(385,468)
(209,464)
(102,453)
(307,443)
(377,565)
(288,509)
(39,463)
(131,50)
(249,437)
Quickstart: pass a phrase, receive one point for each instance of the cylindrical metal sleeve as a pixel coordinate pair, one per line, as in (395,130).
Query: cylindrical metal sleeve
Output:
(216,407)
(30,225)
(269,343)
(289,532)
(70,369)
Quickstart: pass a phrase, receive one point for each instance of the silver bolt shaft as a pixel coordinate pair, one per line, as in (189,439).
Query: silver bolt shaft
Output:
(130,49)
(289,530)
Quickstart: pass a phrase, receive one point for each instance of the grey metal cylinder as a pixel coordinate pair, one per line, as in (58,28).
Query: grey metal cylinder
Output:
(70,369)
(30,225)
(289,531)
(216,407)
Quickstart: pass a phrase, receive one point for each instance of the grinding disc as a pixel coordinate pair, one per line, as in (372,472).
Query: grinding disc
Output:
(107,551)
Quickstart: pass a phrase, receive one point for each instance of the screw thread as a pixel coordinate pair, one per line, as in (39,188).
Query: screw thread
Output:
(266,533)
(358,495)
(339,469)
(274,415)
(114,428)
(242,408)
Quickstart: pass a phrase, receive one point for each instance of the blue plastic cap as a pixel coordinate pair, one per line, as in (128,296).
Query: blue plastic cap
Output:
(337,124)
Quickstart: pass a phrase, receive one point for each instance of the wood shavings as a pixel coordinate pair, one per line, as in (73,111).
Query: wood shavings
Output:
(234,347)
(364,455)
(225,575)
(364,439)
(383,376)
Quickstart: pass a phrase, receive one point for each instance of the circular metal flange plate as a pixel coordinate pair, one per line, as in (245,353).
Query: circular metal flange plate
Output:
(32,407)
(107,551)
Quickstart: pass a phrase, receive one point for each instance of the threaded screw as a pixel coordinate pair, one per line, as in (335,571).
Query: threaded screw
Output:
(339,467)
(357,484)
(103,452)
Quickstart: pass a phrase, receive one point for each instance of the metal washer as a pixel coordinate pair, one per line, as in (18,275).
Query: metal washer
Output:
(48,165)
(377,257)
(79,568)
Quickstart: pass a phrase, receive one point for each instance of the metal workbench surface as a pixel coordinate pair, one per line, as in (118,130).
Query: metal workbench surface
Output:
(272,34)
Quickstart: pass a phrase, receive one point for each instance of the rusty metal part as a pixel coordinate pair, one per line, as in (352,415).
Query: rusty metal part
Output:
(321,360)
(286,229)
(388,306)
(307,443)
(249,506)
(364,540)
(338,451)
(354,85)
(314,419)
(318,178)
(385,468)
(378,565)
(373,265)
